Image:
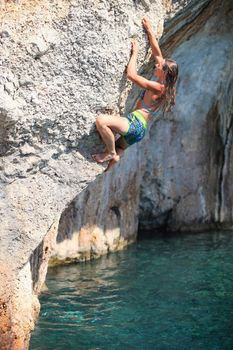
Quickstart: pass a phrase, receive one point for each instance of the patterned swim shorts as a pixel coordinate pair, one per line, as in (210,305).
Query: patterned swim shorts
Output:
(137,128)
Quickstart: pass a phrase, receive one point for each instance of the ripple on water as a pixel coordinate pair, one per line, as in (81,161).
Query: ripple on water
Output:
(168,293)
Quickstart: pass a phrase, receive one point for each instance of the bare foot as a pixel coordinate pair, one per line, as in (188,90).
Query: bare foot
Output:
(111,163)
(104,157)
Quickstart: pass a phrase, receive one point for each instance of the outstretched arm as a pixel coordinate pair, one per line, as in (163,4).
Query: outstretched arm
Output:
(153,41)
(134,76)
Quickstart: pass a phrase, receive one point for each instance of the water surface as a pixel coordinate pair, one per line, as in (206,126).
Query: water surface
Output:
(172,292)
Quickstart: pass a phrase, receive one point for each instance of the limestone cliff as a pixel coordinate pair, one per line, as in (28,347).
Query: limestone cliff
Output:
(184,167)
(188,167)
(62,63)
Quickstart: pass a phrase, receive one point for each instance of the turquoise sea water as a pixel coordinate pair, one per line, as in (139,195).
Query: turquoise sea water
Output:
(172,292)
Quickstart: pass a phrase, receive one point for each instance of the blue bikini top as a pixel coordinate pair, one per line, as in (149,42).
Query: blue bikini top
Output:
(146,107)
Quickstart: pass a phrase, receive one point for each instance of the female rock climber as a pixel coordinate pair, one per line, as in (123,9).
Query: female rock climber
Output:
(158,93)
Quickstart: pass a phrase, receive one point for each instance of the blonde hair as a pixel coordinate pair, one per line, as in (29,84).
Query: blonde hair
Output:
(168,99)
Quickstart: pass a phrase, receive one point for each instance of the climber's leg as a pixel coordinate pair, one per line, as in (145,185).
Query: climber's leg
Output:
(112,162)
(106,126)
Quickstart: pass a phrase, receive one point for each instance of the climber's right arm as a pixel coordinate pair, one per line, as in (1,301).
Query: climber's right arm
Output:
(153,41)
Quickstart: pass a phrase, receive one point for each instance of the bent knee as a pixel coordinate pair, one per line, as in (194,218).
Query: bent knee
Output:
(100,121)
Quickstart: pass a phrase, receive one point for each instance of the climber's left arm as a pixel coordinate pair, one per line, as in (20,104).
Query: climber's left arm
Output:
(134,76)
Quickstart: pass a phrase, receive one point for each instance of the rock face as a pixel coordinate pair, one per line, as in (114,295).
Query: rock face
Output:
(189,159)
(185,164)
(102,219)
(62,64)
